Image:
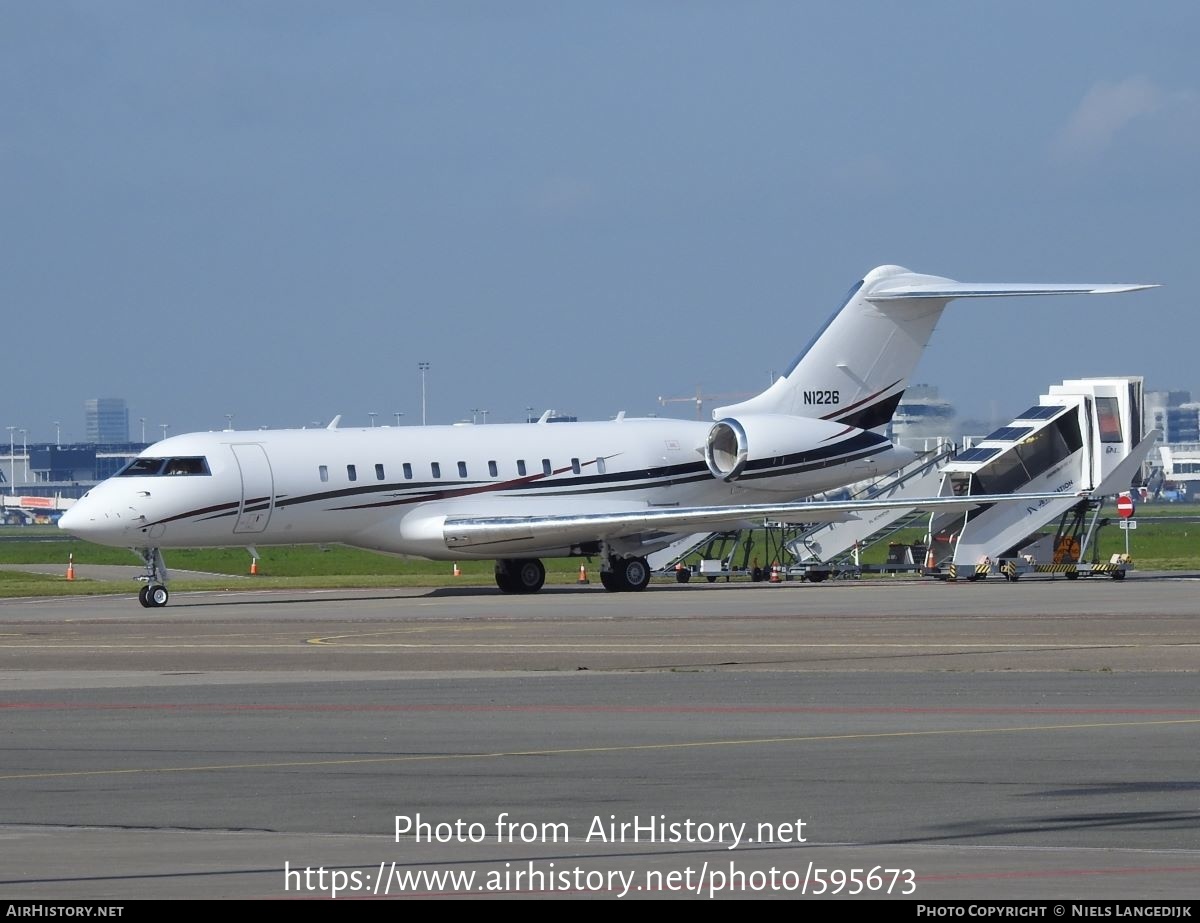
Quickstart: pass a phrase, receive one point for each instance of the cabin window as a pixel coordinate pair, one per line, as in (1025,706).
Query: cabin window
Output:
(351,473)
(600,466)
(407,471)
(493,471)
(521,467)
(323,470)
(436,468)
(185,466)
(155,467)
(546,466)
(379,472)
(462,469)
(575,465)
(142,467)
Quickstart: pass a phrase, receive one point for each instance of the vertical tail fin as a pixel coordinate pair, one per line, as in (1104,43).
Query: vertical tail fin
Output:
(855,369)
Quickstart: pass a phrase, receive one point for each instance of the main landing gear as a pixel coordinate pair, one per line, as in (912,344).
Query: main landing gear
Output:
(526,575)
(625,575)
(154,594)
(520,575)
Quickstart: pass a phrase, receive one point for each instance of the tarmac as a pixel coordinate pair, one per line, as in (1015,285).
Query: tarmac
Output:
(900,738)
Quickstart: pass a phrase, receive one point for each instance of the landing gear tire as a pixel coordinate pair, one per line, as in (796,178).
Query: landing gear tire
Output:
(634,573)
(530,574)
(626,575)
(522,575)
(154,596)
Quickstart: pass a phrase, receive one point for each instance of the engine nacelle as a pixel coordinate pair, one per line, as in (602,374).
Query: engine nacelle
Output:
(727,449)
(778,452)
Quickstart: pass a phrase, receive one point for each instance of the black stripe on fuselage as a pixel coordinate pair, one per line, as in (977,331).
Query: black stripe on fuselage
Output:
(858,446)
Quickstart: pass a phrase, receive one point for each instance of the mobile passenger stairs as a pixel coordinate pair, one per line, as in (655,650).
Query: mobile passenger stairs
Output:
(721,554)
(832,549)
(816,552)
(1086,435)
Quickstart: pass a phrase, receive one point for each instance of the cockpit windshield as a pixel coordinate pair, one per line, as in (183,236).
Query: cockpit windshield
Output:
(164,467)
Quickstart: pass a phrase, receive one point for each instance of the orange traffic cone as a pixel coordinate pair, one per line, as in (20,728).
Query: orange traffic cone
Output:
(457,572)
(253,567)
(71,566)
(583,574)
(775,572)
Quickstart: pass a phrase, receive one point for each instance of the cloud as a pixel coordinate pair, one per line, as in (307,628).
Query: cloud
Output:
(1106,110)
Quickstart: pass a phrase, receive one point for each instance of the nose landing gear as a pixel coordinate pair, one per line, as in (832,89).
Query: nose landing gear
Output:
(154,594)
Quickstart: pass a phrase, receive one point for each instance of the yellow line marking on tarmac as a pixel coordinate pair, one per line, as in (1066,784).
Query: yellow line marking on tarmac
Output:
(730,645)
(575,751)
(598,647)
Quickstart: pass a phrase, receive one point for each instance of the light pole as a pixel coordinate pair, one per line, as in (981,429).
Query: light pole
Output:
(57,434)
(484,413)
(424,367)
(228,422)
(528,414)
(397,414)
(164,429)
(474,412)
(25,453)
(142,420)
(12,458)
(372,414)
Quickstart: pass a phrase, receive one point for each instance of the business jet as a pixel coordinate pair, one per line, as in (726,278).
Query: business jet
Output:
(516,493)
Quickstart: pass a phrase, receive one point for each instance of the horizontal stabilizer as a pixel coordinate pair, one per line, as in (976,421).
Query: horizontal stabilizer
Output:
(856,368)
(947,290)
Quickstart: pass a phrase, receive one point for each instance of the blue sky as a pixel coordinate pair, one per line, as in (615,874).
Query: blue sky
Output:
(277,209)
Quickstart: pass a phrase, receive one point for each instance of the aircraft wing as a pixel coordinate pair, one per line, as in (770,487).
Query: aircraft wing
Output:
(478,532)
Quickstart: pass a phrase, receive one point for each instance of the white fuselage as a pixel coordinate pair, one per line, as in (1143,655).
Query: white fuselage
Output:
(391,489)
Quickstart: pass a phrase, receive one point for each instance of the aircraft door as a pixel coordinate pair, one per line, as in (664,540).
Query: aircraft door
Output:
(258,488)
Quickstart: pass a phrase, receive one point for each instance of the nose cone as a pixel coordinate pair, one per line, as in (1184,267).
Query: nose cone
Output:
(79,520)
(96,519)
(68,520)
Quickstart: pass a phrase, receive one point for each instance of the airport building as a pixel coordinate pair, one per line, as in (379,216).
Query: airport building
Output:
(106,420)
(1176,414)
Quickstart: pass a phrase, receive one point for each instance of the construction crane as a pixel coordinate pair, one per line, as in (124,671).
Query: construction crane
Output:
(700,397)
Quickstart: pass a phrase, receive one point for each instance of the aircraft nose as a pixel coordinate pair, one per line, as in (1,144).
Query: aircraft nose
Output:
(77,520)
(96,522)
(67,520)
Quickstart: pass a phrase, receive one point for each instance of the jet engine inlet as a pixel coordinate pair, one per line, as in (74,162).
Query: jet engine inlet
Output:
(725,451)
